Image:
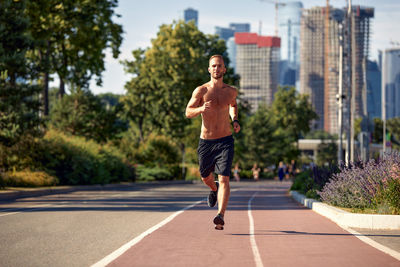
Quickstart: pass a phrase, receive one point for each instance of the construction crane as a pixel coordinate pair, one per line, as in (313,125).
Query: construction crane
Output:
(277,4)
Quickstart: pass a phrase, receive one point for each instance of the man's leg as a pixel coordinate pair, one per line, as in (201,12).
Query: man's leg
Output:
(209,181)
(223,193)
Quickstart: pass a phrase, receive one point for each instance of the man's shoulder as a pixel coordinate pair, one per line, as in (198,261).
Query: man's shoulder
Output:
(231,88)
(201,90)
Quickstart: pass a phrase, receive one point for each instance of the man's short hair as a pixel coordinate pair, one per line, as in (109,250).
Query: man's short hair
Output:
(218,56)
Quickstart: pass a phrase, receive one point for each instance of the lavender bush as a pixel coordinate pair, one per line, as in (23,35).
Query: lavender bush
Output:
(365,185)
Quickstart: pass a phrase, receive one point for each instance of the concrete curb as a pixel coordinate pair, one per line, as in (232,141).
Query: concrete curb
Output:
(15,193)
(347,219)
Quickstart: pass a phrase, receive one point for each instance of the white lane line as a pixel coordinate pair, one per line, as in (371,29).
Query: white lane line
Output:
(111,257)
(253,243)
(20,210)
(373,243)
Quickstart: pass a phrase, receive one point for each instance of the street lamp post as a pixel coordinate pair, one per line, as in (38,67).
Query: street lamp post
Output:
(340,95)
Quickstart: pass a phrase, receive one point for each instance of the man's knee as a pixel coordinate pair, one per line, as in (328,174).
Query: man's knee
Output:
(208,178)
(223,180)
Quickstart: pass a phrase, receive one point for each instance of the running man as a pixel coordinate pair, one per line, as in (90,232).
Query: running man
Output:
(216,102)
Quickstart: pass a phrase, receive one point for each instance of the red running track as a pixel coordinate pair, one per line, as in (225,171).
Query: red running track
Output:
(285,234)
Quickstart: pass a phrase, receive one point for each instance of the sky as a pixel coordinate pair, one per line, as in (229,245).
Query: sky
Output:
(141,19)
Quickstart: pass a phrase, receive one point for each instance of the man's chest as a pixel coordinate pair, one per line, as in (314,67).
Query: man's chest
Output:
(218,99)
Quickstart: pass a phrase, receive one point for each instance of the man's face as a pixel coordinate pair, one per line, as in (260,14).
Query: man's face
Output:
(216,68)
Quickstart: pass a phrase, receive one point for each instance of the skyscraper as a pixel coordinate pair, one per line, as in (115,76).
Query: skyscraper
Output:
(228,35)
(231,49)
(257,63)
(191,14)
(391,83)
(374,90)
(319,53)
(289,16)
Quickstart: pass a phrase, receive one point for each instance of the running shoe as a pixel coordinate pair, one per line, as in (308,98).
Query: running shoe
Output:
(219,222)
(213,197)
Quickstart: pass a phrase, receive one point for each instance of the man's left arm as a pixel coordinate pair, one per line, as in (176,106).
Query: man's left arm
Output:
(233,112)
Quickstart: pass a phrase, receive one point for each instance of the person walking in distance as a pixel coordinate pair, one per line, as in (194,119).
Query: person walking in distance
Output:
(215,101)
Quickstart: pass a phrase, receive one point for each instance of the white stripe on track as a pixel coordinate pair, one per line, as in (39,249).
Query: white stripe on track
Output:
(111,257)
(256,253)
(373,243)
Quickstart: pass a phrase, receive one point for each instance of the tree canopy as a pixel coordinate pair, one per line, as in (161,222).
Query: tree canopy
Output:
(166,74)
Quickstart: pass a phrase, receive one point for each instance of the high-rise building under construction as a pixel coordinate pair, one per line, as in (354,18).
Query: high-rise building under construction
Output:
(257,63)
(319,57)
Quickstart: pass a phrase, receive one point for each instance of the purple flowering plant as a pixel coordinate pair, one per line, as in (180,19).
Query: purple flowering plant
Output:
(374,185)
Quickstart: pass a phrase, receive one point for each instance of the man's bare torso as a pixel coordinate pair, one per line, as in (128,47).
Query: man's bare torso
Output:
(216,122)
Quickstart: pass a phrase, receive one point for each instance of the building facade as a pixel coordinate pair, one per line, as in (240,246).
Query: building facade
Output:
(319,56)
(257,63)
(228,34)
(191,14)
(391,83)
(374,90)
(289,18)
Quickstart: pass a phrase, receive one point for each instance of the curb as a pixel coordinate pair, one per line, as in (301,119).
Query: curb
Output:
(15,193)
(347,219)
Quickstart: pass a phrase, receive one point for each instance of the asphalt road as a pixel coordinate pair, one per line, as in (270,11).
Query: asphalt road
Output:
(80,228)
(83,227)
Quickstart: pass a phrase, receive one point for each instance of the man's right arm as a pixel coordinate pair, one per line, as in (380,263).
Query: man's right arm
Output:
(195,105)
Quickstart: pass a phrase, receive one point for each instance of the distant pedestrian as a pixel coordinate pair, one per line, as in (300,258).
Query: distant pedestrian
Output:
(292,170)
(256,172)
(281,171)
(236,171)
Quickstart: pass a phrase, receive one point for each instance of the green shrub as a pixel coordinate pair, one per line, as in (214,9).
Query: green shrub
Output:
(193,172)
(29,179)
(75,160)
(246,174)
(158,151)
(153,174)
(388,197)
(300,181)
(2,183)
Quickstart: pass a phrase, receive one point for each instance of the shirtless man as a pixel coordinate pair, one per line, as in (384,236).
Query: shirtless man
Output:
(216,102)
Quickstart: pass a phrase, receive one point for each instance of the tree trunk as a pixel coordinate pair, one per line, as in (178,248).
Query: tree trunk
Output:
(62,88)
(183,160)
(46,81)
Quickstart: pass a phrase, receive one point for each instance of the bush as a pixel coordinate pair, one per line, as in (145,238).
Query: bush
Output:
(388,196)
(365,185)
(2,183)
(193,172)
(153,174)
(75,160)
(156,151)
(310,182)
(29,179)
(304,183)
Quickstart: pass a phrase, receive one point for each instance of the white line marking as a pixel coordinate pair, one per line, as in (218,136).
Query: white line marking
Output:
(36,207)
(373,243)
(111,257)
(253,243)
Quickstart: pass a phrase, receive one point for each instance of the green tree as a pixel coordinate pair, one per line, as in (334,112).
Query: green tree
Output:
(83,114)
(19,105)
(260,138)
(139,99)
(378,131)
(166,74)
(71,38)
(292,112)
(393,126)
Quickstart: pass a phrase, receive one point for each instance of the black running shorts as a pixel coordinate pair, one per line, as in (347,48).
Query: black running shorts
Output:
(216,155)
